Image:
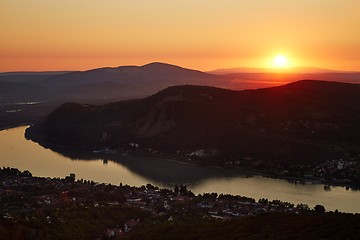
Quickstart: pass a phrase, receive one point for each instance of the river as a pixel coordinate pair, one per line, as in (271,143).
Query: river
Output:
(136,170)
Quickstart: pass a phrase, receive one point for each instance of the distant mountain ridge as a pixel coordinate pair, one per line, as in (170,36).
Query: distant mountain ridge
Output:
(293,70)
(125,82)
(152,73)
(302,122)
(121,82)
(50,89)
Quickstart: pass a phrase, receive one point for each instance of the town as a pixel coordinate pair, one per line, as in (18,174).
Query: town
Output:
(37,201)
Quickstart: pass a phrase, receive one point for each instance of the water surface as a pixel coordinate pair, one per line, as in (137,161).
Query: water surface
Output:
(17,152)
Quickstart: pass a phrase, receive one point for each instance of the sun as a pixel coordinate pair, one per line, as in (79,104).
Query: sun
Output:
(280,61)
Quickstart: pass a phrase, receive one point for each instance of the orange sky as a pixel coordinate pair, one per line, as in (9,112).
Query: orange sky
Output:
(201,34)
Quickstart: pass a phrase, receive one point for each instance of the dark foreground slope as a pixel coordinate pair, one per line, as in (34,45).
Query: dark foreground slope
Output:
(271,226)
(299,123)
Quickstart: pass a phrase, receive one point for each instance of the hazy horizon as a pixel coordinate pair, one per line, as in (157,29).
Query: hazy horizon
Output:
(292,69)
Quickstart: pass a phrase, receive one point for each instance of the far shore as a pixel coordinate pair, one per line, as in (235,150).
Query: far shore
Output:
(182,160)
(7,127)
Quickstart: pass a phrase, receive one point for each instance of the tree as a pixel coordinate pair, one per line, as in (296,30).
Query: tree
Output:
(70,178)
(319,208)
(176,189)
(264,201)
(302,206)
(183,189)
(149,186)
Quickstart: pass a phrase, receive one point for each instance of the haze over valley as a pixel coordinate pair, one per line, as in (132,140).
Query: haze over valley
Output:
(28,96)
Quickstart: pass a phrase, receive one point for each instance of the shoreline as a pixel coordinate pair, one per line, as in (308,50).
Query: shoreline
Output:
(251,173)
(183,160)
(8,127)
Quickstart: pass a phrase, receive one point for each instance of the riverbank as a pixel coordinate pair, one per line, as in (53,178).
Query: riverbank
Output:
(273,173)
(8,126)
(138,169)
(70,208)
(293,179)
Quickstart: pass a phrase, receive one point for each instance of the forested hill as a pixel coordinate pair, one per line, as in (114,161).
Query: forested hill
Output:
(302,122)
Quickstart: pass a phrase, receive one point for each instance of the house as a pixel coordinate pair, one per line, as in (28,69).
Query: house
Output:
(166,205)
(204,205)
(130,224)
(113,233)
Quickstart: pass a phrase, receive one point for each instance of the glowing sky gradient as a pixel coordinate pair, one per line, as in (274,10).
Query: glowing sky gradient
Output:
(201,34)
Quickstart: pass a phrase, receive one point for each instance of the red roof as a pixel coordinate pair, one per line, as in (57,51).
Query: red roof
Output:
(132,222)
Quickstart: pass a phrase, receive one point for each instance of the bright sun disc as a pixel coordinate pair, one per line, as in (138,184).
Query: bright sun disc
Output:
(280,61)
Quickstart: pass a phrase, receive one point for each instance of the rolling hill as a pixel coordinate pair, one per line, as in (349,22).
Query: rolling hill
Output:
(299,123)
(95,86)
(108,83)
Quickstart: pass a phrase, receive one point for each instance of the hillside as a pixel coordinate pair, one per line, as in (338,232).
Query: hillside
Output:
(96,85)
(126,82)
(295,124)
(11,90)
(271,226)
(109,84)
(120,82)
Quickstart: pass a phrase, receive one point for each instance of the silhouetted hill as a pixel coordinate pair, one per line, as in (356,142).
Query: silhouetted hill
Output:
(294,70)
(28,76)
(265,79)
(14,91)
(18,87)
(302,122)
(122,82)
(102,84)
(129,81)
(154,73)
